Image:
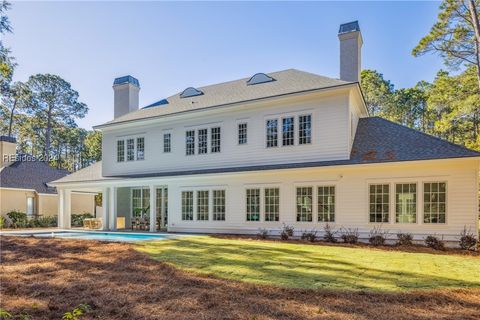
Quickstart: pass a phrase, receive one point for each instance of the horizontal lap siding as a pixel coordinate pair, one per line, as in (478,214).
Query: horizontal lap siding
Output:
(351,197)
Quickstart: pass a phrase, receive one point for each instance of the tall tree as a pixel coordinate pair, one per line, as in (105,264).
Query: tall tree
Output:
(376,90)
(16,99)
(93,147)
(55,101)
(455,36)
(7,62)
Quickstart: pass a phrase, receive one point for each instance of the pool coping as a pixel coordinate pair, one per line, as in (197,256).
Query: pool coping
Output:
(56,230)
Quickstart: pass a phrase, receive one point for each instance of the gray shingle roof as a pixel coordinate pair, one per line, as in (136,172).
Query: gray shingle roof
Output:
(287,81)
(376,141)
(30,175)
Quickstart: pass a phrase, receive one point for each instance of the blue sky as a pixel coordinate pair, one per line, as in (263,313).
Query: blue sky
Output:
(169,46)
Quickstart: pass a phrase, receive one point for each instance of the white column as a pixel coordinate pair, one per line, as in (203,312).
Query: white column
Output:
(105,211)
(67,218)
(112,206)
(153,209)
(61,208)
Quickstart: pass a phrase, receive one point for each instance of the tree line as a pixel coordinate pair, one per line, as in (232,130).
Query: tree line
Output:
(41,113)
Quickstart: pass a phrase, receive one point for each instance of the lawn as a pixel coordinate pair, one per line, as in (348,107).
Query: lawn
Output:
(316,266)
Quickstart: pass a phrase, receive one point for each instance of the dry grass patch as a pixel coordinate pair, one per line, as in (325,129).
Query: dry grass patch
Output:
(47,277)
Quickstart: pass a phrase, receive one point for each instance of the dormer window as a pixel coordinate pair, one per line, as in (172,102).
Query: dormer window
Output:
(190,92)
(259,78)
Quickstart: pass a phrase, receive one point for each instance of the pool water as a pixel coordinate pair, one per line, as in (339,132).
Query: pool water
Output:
(101,236)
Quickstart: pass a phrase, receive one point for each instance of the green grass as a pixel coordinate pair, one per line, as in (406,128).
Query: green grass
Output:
(316,266)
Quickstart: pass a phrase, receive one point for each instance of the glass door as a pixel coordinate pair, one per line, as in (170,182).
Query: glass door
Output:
(162,208)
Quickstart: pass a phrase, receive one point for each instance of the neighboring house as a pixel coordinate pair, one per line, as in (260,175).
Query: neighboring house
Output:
(285,147)
(23,185)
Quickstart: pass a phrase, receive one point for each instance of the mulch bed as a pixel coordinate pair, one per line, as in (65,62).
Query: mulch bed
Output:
(47,277)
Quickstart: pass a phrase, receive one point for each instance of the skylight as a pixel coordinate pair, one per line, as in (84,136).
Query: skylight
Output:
(190,92)
(259,78)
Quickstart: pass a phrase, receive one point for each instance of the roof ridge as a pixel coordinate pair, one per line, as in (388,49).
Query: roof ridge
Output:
(425,134)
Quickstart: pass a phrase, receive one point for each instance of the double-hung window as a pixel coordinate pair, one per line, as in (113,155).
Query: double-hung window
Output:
(272,204)
(190,142)
(288,131)
(120,150)
(216,139)
(326,204)
(406,202)
(379,203)
(202,205)
(141,148)
(187,205)
(130,149)
(304,203)
(202,141)
(434,202)
(272,133)
(242,133)
(167,143)
(253,204)
(218,205)
(305,129)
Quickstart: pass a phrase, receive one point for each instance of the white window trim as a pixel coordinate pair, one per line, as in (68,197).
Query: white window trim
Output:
(446,202)
(391,203)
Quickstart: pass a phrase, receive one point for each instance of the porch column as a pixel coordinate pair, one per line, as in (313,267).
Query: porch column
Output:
(64,208)
(61,208)
(105,210)
(112,208)
(153,208)
(67,219)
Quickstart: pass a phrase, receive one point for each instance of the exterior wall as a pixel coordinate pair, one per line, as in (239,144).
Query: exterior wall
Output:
(15,200)
(45,204)
(351,184)
(124,205)
(330,136)
(7,150)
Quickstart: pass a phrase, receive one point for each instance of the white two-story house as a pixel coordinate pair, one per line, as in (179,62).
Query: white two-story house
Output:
(283,147)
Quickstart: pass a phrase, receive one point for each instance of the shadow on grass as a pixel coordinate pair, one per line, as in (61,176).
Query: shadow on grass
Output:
(312,267)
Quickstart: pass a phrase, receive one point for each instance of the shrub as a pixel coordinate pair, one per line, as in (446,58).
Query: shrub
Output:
(2,222)
(262,233)
(287,232)
(77,313)
(435,243)
(468,241)
(77,219)
(46,222)
(18,219)
(377,236)
(329,234)
(350,235)
(404,239)
(310,236)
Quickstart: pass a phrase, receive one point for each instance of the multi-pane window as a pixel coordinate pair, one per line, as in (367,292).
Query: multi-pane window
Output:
(216,138)
(218,205)
(305,129)
(187,205)
(202,205)
(379,202)
(140,202)
(253,204)
(326,204)
(121,150)
(272,204)
(202,141)
(304,203)
(272,133)
(130,149)
(242,133)
(140,148)
(167,142)
(434,202)
(406,202)
(288,131)
(190,142)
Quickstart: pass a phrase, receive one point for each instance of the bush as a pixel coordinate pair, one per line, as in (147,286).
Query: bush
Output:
(435,243)
(46,222)
(329,235)
(2,222)
(350,235)
(377,236)
(287,232)
(468,241)
(310,236)
(18,219)
(404,239)
(77,219)
(262,233)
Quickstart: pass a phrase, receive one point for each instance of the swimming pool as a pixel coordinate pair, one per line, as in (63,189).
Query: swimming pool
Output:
(97,235)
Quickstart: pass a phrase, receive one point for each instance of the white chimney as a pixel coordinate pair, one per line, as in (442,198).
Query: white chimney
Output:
(125,95)
(8,150)
(350,51)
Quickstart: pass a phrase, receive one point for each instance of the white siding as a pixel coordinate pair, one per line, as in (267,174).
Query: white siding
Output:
(330,136)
